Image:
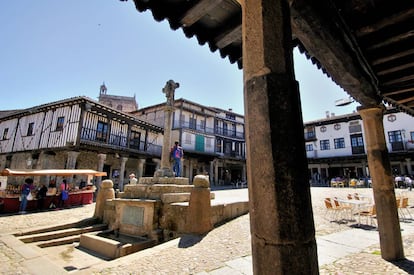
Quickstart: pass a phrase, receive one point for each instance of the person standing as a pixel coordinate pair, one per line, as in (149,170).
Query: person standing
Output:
(27,187)
(176,154)
(64,194)
(132,179)
(41,195)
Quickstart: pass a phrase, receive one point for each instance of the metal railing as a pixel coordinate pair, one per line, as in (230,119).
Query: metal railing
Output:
(92,136)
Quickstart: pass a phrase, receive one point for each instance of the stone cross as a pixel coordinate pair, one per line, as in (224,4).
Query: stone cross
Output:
(169,91)
(165,169)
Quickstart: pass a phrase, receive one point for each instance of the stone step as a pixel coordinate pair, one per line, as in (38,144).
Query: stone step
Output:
(60,241)
(179,197)
(82,223)
(62,233)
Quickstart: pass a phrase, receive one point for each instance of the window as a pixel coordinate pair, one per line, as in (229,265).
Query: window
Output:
(134,140)
(219,144)
(325,144)
(225,129)
(60,122)
(412,136)
(5,133)
(209,142)
(230,116)
(202,124)
(233,130)
(30,129)
(187,138)
(309,147)
(357,144)
(193,122)
(310,132)
(102,131)
(339,143)
(395,138)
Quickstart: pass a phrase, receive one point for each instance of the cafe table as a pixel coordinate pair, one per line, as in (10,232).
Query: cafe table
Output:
(356,205)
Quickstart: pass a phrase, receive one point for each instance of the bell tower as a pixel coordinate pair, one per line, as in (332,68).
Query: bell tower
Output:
(102,89)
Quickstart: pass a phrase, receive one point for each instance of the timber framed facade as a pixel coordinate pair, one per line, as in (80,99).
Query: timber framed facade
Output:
(79,133)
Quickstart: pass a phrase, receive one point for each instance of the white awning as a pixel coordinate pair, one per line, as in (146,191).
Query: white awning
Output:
(50,172)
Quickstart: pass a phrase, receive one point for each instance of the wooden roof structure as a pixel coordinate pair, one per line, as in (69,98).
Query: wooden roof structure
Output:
(365,46)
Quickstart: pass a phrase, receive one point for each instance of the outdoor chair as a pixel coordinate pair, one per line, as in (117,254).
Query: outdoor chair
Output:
(403,208)
(331,210)
(343,208)
(370,214)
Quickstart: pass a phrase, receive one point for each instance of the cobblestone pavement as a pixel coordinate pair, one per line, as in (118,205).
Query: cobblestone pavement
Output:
(192,255)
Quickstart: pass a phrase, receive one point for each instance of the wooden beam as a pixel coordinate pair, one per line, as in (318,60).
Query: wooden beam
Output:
(389,21)
(396,68)
(392,40)
(333,48)
(396,92)
(198,11)
(228,37)
(398,80)
(387,58)
(408,99)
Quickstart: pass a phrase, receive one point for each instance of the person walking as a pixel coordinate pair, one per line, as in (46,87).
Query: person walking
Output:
(26,189)
(176,154)
(41,195)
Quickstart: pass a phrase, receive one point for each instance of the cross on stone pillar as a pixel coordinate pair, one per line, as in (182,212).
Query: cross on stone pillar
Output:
(165,170)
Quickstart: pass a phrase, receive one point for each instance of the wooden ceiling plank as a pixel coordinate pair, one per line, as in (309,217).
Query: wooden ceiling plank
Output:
(396,92)
(324,41)
(229,37)
(391,20)
(396,68)
(398,80)
(392,40)
(198,11)
(401,54)
(405,100)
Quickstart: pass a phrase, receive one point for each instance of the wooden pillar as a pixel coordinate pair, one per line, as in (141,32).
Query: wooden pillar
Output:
(383,184)
(281,218)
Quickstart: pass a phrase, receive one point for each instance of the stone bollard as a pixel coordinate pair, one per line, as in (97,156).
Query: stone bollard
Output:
(199,209)
(105,192)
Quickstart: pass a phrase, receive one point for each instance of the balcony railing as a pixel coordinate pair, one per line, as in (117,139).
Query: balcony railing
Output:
(228,133)
(198,128)
(92,136)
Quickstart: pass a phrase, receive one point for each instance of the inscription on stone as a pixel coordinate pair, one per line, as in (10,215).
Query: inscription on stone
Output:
(133,215)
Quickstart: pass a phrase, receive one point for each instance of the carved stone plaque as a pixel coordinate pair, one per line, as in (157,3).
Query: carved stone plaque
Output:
(133,215)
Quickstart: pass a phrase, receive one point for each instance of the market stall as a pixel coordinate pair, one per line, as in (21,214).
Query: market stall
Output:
(79,193)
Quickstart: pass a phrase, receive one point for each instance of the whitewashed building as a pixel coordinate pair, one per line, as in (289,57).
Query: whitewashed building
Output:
(335,145)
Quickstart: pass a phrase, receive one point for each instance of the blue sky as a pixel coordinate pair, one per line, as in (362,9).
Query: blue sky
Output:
(52,50)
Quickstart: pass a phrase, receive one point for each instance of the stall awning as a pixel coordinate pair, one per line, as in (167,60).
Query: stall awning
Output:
(50,172)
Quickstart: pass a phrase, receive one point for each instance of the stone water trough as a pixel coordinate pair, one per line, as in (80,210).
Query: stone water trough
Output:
(154,211)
